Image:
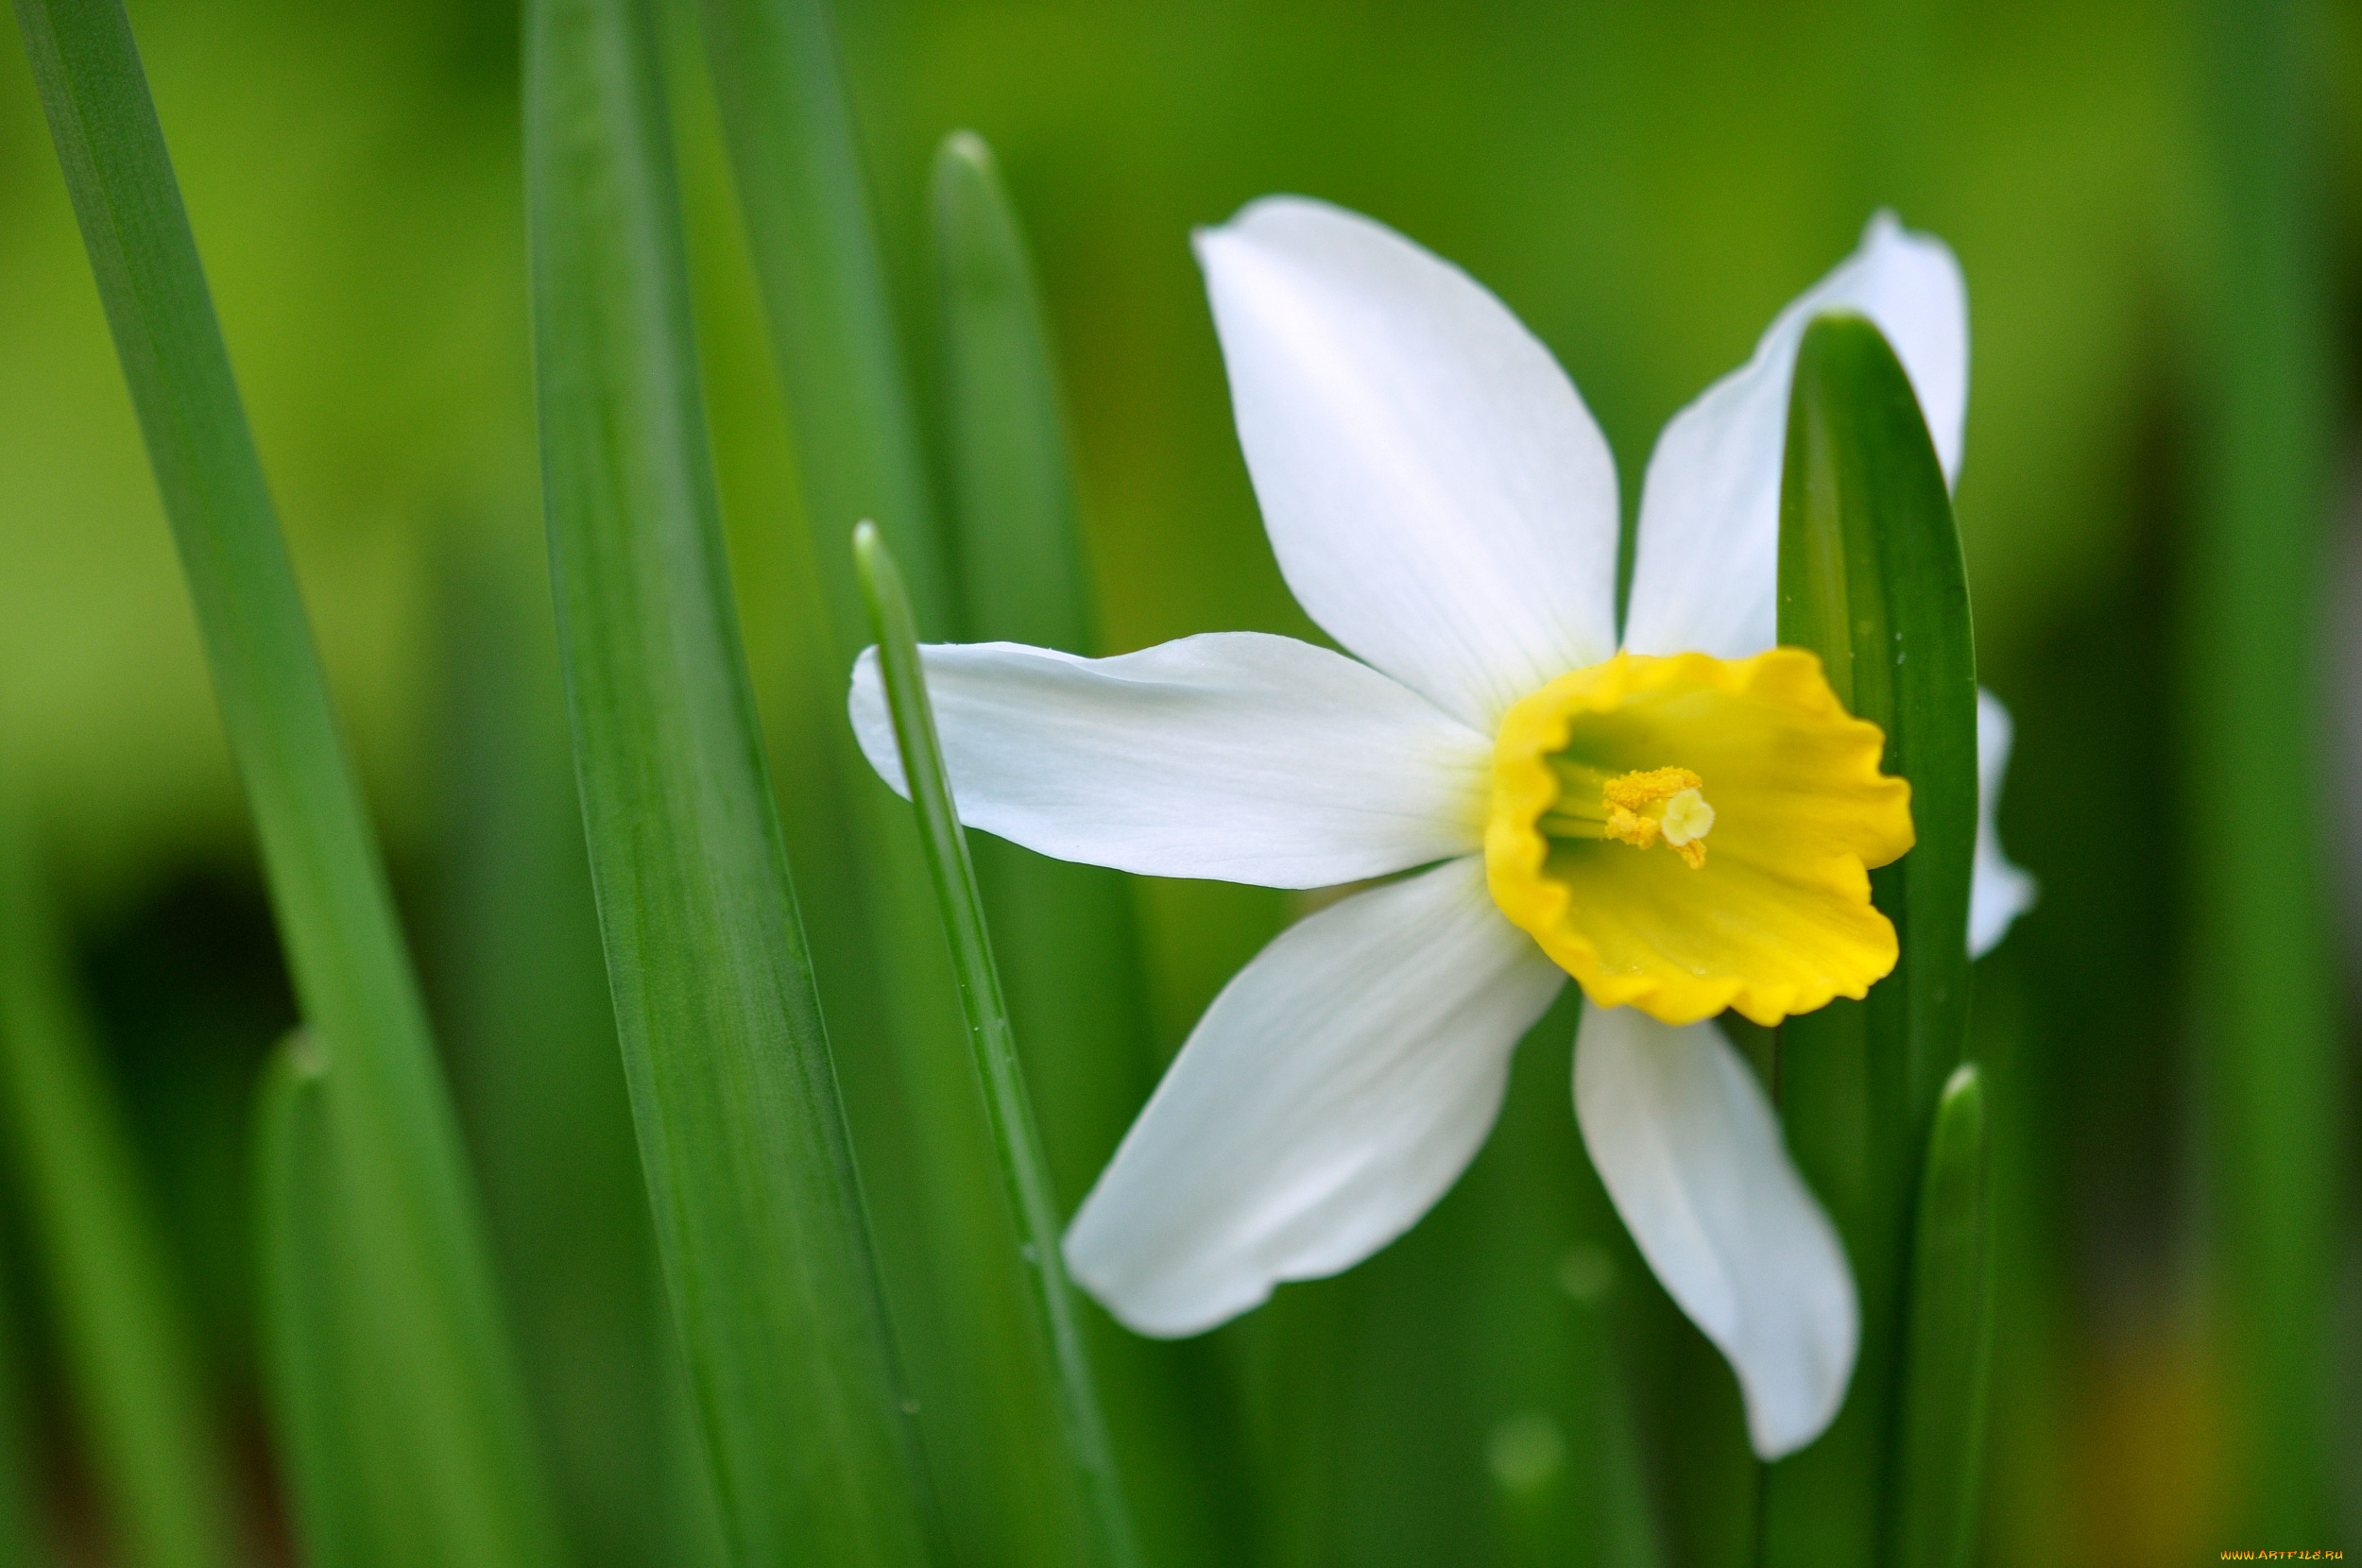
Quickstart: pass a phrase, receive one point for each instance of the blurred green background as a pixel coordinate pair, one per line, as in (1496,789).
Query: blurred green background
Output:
(1644,185)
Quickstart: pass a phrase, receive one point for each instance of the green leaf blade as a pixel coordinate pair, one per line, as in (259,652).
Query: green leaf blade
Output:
(1950,1337)
(455,1411)
(943,1227)
(1024,1168)
(333,1483)
(2267,411)
(136,1395)
(1069,942)
(539,1078)
(1871,579)
(750,1176)
(1022,576)
(1066,935)
(799,174)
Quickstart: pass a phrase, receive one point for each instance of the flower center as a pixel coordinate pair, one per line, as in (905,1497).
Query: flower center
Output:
(1638,809)
(1615,757)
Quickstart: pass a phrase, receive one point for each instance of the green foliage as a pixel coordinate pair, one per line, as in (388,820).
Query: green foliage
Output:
(1949,1341)
(1024,1168)
(1068,939)
(1871,580)
(1022,575)
(758,1212)
(1067,934)
(2275,1071)
(538,1076)
(341,1490)
(139,1401)
(825,293)
(946,1238)
(452,1410)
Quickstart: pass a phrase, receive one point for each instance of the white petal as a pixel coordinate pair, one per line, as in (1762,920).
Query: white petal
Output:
(1705,571)
(1439,498)
(1236,756)
(1333,1092)
(1998,891)
(1690,1152)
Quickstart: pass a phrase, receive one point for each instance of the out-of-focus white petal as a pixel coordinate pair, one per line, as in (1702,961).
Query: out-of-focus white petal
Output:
(1998,891)
(1690,1152)
(1438,496)
(1705,569)
(1333,1092)
(1236,755)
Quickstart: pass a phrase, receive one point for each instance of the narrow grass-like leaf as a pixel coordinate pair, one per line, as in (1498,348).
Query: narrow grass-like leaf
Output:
(1069,942)
(2277,1104)
(1024,1168)
(1871,579)
(1021,571)
(333,1481)
(137,1397)
(945,1233)
(539,1084)
(1067,935)
(1950,1337)
(325,1316)
(455,1411)
(758,1213)
(825,295)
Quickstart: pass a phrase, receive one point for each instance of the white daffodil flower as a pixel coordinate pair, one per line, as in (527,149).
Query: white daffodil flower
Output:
(1682,824)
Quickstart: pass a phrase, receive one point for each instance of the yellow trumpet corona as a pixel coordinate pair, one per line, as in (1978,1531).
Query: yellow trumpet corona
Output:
(1616,757)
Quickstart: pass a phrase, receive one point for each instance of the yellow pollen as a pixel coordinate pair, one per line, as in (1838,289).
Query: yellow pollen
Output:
(1662,802)
(1636,790)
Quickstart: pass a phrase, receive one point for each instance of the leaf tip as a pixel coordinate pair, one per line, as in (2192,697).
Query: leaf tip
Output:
(964,151)
(1963,1091)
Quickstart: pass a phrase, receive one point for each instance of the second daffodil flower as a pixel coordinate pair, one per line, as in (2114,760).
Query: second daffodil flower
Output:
(1683,823)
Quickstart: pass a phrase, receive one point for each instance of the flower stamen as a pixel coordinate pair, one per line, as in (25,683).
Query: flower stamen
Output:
(1638,809)
(1665,803)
